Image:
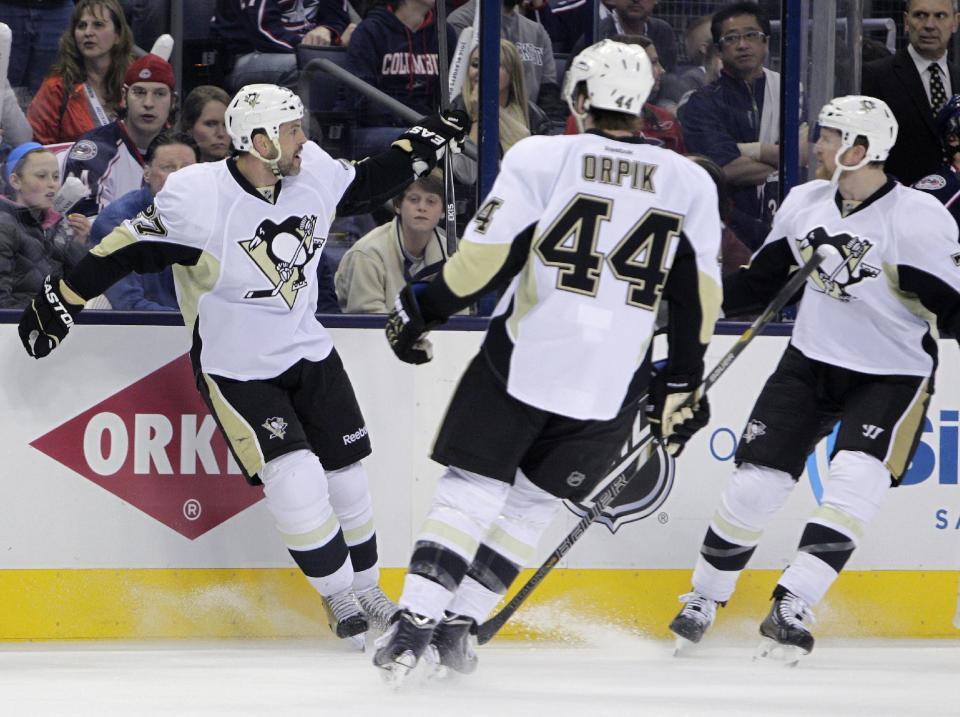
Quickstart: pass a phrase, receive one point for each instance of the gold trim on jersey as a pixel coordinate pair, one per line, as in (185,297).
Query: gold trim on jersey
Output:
(711,298)
(240,434)
(192,283)
(905,432)
(524,299)
(472,267)
(114,241)
(910,301)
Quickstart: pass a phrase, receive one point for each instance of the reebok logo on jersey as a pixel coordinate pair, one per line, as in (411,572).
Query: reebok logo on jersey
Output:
(355,436)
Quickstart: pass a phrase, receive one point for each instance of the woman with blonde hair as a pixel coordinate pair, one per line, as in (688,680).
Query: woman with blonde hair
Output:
(84,87)
(519,117)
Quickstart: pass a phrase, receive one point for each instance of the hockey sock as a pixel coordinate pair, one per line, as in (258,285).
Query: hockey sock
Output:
(464,506)
(750,500)
(295,489)
(854,491)
(350,500)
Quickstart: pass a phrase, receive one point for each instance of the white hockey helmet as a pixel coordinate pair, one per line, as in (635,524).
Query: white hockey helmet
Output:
(860,116)
(618,78)
(263,107)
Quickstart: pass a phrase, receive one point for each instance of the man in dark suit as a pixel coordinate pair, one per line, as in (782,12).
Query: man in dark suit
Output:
(916,82)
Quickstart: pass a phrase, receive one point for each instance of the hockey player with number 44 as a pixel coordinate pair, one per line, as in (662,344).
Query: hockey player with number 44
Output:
(244,236)
(863,353)
(588,232)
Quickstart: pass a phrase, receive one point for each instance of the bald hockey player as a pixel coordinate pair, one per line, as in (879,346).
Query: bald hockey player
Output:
(588,233)
(244,237)
(863,353)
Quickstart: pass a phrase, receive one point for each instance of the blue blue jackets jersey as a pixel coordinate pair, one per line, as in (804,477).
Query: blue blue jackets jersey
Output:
(108,163)
(945,186)
(274,25)
(400,62)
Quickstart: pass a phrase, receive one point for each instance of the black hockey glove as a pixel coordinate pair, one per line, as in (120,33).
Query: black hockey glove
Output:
(406,329)
(670,423)
(426,142)
(45,323)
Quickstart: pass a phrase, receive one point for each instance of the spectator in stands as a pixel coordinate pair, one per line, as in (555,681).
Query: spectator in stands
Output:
(110,158)
(735,120)
(394,48)
(916,83)
(702,66)
(657,124)
(262,36)
(202,119)
(633,17)
(146,292)
(14,128)
(84,87)
(567,20)
(733,252)
(408,248)
(36,28)
(148,20)
(519,117)
(536,53)
(945,184)
(35,241)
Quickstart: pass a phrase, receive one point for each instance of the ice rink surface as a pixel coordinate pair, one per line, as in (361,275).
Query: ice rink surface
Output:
(609,674)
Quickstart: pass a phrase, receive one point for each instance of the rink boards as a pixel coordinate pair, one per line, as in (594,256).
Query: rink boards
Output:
(125,517)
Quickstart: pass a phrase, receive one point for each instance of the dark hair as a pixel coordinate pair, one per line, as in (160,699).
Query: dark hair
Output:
(428,183)
(198,98)
(738,8)
(167,137)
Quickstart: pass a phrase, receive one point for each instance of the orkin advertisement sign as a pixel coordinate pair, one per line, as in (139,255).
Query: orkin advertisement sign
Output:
(155,445)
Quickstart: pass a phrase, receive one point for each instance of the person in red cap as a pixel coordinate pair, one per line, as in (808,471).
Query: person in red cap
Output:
(110,159)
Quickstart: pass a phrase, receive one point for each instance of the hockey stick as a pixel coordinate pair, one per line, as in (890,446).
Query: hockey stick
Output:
(449,197)
(491,627)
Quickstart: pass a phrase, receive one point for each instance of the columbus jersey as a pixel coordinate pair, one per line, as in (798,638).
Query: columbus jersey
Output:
(872,308)
(107,161)
(945,186)
(590,231)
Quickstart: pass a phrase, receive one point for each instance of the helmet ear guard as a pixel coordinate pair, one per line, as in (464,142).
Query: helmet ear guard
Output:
(613,76)
(860,116)
(261,107)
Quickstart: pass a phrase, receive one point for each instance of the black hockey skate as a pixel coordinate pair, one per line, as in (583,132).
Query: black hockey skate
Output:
(693,620)
(400,647)
(378,608)
(452,645)
(787,637)
(344,614)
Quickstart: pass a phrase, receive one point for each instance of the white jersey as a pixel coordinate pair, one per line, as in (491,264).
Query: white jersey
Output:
(872,308)
(596,224)
(251,294)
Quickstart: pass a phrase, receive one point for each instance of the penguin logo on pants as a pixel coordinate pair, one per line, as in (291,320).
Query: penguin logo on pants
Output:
(282,251)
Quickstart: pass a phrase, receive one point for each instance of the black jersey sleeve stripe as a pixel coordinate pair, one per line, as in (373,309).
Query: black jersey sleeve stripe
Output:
(100,270)
(751,287)
(439,301)
(378,178)
(934,293)
(682,292)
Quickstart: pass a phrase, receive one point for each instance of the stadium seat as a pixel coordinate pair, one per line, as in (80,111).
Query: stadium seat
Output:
(331,129)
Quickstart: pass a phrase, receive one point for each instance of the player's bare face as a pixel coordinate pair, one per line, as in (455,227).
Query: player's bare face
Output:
(826,151)
(291,140)
(37,181)
(929,25)
(148,106)
(95,33)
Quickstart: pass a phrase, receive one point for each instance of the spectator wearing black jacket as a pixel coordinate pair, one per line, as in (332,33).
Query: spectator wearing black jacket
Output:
(262,36)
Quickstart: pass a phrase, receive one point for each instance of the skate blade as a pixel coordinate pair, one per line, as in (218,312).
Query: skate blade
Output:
(357,643)
(682,646)
(395,673)
(773,651)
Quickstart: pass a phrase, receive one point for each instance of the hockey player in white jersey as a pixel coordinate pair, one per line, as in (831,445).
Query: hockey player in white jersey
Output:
(587,232)
(863,352)
(244,237)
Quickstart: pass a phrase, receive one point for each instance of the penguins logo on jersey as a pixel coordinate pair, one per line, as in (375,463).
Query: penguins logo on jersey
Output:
(834,277)
(281,251)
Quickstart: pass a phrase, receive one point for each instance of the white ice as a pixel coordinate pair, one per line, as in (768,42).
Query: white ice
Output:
(610,674)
